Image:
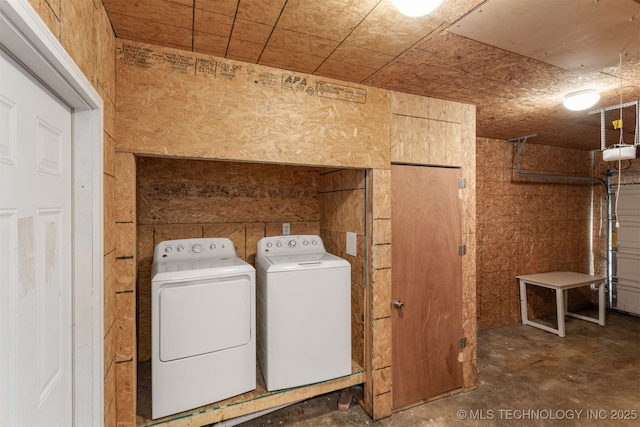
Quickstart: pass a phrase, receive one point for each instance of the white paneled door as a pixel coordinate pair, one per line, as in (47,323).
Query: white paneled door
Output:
(35,252)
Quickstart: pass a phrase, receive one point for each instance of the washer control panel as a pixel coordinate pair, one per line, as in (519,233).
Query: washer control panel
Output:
(276,245)
(216,247)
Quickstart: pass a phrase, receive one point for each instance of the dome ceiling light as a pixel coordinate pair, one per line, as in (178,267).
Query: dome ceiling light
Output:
(416,8)
(581,100)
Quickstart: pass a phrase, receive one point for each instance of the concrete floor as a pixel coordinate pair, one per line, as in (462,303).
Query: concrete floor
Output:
(526,377)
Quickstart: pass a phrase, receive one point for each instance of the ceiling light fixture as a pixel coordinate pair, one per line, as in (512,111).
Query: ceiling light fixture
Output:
(415,8)
(581,100)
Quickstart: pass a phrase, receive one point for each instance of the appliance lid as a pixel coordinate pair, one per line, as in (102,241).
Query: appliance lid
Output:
(302,261)
(199,267)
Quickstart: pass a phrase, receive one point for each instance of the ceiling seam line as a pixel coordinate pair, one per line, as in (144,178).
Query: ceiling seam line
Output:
(152,21)
(275,24)
(233,24)
(193,26)
(346,37)
(397,57)
(425,118)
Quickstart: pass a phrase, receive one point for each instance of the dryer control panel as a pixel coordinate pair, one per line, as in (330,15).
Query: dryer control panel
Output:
(175,250)
(295,244)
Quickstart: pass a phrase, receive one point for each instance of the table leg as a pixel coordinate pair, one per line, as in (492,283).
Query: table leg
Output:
(601,310)
(560,309)
(523,302)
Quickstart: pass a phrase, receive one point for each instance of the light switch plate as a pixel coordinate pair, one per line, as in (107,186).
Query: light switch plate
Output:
(286,229)
(351,243)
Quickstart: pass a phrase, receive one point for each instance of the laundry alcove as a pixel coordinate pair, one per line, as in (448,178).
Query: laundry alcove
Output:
(196,117)
(181,198)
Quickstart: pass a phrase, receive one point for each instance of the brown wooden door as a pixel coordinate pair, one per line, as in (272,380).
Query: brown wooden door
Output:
(426,227)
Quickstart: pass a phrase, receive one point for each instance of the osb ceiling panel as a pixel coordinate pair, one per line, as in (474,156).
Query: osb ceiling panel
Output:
(575,34)
(369,42)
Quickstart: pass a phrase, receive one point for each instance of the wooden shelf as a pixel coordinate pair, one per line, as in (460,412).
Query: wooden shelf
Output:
(248,403)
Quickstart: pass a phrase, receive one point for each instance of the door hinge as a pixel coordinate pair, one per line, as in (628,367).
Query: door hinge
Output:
(462,183)
(462,342)
(462,250)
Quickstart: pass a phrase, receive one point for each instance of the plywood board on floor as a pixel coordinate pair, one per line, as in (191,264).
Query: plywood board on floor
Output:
(247,403)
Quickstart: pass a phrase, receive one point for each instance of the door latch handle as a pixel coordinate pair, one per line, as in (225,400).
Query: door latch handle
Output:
(398,304)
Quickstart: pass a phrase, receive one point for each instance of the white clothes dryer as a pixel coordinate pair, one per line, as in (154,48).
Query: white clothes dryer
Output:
(304,312)
(202,324)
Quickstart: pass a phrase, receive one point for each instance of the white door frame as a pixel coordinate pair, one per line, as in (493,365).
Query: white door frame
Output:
(26,37)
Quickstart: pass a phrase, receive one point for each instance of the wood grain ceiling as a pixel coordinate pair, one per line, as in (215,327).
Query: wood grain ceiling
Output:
(369,42)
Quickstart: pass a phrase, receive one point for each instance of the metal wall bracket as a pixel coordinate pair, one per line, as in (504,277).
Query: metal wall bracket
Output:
(521,140)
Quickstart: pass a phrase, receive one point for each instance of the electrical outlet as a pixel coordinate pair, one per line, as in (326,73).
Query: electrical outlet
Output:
(286,229)
(351,243)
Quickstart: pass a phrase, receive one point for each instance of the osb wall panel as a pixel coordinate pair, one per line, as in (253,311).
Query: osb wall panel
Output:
(528,226)
(78,35)
(106,65)
(428,131)
(125,169)
(419,140)
(175,191)
(342,209)
(49,11)
(347,210)
(463,152)
(125,298)
(379,374)
(126,393)
(179,103)
(109,235)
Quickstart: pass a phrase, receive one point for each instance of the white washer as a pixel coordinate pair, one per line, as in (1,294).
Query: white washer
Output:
(202,324)
(304,312)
